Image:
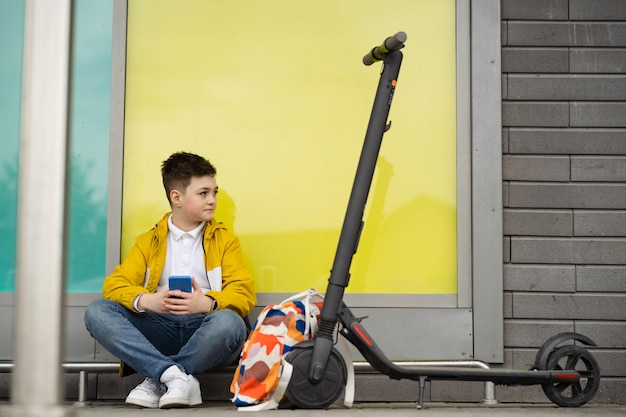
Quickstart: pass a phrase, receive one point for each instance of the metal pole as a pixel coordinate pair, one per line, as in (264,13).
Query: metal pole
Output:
(37,381)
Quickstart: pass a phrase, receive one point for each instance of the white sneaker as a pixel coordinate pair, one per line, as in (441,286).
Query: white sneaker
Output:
(146,394)
(182,391)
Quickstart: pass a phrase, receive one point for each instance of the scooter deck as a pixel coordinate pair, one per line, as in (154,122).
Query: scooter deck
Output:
(359,337)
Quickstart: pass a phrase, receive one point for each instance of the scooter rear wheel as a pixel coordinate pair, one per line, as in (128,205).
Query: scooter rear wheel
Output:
(302,393)
(578,393)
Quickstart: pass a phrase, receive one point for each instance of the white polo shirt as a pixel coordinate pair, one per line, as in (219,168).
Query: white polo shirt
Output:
(185,255)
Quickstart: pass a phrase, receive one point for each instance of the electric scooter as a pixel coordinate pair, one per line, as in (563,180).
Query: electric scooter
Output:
(569,375)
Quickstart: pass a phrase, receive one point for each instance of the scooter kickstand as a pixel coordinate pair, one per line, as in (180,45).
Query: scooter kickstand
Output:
(422,384)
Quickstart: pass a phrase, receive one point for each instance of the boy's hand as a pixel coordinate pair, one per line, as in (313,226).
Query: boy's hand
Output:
(154,301)
(180,302)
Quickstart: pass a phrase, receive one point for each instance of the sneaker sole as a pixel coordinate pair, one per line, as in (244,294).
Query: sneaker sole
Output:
(141,403)
(179,404)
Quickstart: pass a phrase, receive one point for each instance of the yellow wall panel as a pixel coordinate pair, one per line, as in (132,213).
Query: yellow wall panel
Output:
(274,93)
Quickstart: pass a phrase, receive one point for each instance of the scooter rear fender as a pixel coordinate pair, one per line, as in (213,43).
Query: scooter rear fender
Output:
(541,359)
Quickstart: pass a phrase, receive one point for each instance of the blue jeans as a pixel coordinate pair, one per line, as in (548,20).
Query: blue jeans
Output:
(150,342)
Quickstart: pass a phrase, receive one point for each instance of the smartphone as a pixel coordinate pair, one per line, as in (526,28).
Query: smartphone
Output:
(180,282)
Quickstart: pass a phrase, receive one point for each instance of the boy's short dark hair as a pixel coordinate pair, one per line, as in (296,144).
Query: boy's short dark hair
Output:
(178,169)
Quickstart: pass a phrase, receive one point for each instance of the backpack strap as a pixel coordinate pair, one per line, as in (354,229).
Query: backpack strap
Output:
(279,392)
(344,350)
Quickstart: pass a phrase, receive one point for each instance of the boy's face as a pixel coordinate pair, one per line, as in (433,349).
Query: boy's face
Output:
(196,204)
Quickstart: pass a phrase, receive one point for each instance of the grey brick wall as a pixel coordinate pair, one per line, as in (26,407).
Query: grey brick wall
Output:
(564,171)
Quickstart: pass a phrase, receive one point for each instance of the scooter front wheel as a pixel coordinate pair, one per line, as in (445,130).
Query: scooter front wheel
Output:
(575,394)
(303,393)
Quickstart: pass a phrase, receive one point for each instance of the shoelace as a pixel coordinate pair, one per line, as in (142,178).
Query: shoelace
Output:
(180,382)
(148,385)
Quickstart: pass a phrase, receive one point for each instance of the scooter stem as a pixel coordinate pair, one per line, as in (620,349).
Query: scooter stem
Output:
(353,221)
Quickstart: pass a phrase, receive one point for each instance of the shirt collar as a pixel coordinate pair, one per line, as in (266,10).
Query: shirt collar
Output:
(177,233)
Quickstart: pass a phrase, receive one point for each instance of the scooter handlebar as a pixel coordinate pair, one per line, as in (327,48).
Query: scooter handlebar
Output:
(392,43)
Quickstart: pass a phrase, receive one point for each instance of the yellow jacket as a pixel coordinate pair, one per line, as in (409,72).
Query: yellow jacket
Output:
(141,270)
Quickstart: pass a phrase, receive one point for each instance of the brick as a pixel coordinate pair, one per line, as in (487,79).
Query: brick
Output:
(574,195)
(543,60)
(597,114)
(215,385)
(507,305)
(522,33)
(597,10)
(534,9)
(535,168)
(505,193)
(522,394)
(546,114)
(380,387)
(534,222)
(448,391)
(607,251)
(604,60)
(537,34)
(506,250)
(611,363)
(111,386)
(505,140)
(566,87)
(556,278)
(610,334)
(567,141)
(569,306)
(532,333)
(601,278)
(611,392)
(519,358)
(599,223)
(600,168)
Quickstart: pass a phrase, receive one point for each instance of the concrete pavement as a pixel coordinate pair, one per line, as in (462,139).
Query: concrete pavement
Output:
(226,409)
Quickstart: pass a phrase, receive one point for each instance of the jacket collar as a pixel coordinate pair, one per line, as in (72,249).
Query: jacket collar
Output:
(208,230)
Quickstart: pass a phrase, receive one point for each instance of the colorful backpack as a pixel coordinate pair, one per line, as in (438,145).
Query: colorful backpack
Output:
(262,376)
